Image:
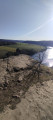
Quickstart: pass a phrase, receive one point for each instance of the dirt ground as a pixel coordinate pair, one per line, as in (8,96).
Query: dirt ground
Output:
(21,61)
(36,99)
(36,105)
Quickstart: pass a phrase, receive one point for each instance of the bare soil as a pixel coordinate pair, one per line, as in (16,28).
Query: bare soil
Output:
(22,95)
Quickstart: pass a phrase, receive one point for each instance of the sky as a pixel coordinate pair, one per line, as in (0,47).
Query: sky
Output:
(26,19)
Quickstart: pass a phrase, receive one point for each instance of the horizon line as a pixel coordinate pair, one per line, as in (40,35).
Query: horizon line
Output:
(24,40)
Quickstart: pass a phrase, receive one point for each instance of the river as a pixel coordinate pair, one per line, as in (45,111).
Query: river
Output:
(47,56)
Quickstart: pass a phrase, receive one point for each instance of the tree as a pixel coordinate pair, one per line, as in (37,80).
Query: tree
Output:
(18,51)
(7,55)
(40,60)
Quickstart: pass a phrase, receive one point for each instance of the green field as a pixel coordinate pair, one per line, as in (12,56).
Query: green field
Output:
(5,49)
(21,46)
(27,46)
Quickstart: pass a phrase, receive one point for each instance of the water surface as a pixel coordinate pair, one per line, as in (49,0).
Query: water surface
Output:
(47,56)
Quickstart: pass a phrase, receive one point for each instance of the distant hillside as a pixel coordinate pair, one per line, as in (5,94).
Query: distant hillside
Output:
(41,43)
(6,42)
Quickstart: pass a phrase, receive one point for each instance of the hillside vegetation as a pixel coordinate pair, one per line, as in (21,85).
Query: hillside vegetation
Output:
(6,42)
(4,50)
(23,47)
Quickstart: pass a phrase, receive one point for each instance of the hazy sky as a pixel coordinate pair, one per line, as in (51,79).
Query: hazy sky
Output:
(26,19)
